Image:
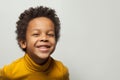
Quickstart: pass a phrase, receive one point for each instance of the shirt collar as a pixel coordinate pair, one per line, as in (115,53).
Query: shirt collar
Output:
(31,65)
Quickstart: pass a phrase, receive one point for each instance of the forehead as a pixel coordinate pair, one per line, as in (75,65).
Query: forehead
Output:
(42,23)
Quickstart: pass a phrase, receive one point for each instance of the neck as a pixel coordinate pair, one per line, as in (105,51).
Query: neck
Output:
(37,64)
(37,60)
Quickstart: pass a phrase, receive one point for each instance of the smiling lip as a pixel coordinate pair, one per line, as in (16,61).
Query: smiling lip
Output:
(44,48)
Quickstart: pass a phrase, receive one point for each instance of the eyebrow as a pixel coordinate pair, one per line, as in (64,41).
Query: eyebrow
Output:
(34,29)
(39,30)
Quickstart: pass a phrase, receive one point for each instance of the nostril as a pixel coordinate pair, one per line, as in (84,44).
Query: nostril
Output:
(44,40)
(43,37)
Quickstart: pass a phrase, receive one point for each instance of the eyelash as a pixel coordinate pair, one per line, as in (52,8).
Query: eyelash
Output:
(35,34)
(51,35)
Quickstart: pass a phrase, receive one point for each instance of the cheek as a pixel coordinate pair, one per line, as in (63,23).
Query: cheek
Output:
(54,42)
(30,41)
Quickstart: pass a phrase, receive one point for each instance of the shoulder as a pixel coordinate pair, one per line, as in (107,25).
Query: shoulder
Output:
(14,64)
(9,69)
(62,69)
(60,65)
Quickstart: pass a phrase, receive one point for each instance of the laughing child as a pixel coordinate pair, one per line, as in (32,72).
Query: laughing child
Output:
(38,31)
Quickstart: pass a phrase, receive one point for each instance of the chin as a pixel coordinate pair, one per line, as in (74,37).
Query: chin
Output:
(44,57)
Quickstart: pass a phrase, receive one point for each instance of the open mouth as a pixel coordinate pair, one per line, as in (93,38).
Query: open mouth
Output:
(43,48)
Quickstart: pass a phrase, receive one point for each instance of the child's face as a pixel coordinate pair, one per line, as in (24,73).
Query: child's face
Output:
(40,38)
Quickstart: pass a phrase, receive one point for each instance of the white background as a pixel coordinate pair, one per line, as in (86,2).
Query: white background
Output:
(90,36)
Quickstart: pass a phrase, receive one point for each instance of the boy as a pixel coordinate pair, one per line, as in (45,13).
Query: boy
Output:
(38,30)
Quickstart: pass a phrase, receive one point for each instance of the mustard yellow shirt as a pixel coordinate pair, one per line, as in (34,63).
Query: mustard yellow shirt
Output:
(26,69)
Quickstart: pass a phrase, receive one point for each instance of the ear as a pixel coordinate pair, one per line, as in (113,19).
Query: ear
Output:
(22,44)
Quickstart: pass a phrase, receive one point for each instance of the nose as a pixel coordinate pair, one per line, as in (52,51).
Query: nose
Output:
(43,38)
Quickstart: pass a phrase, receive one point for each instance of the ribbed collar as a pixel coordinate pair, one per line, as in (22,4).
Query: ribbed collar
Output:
(31,65)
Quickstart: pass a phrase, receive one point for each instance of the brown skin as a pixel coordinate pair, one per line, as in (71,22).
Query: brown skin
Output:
(40,39)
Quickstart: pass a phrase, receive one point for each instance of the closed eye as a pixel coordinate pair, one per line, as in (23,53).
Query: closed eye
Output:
(51,35)
(35,34)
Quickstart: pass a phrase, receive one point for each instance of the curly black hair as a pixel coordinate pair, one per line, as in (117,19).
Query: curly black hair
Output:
(31,13)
